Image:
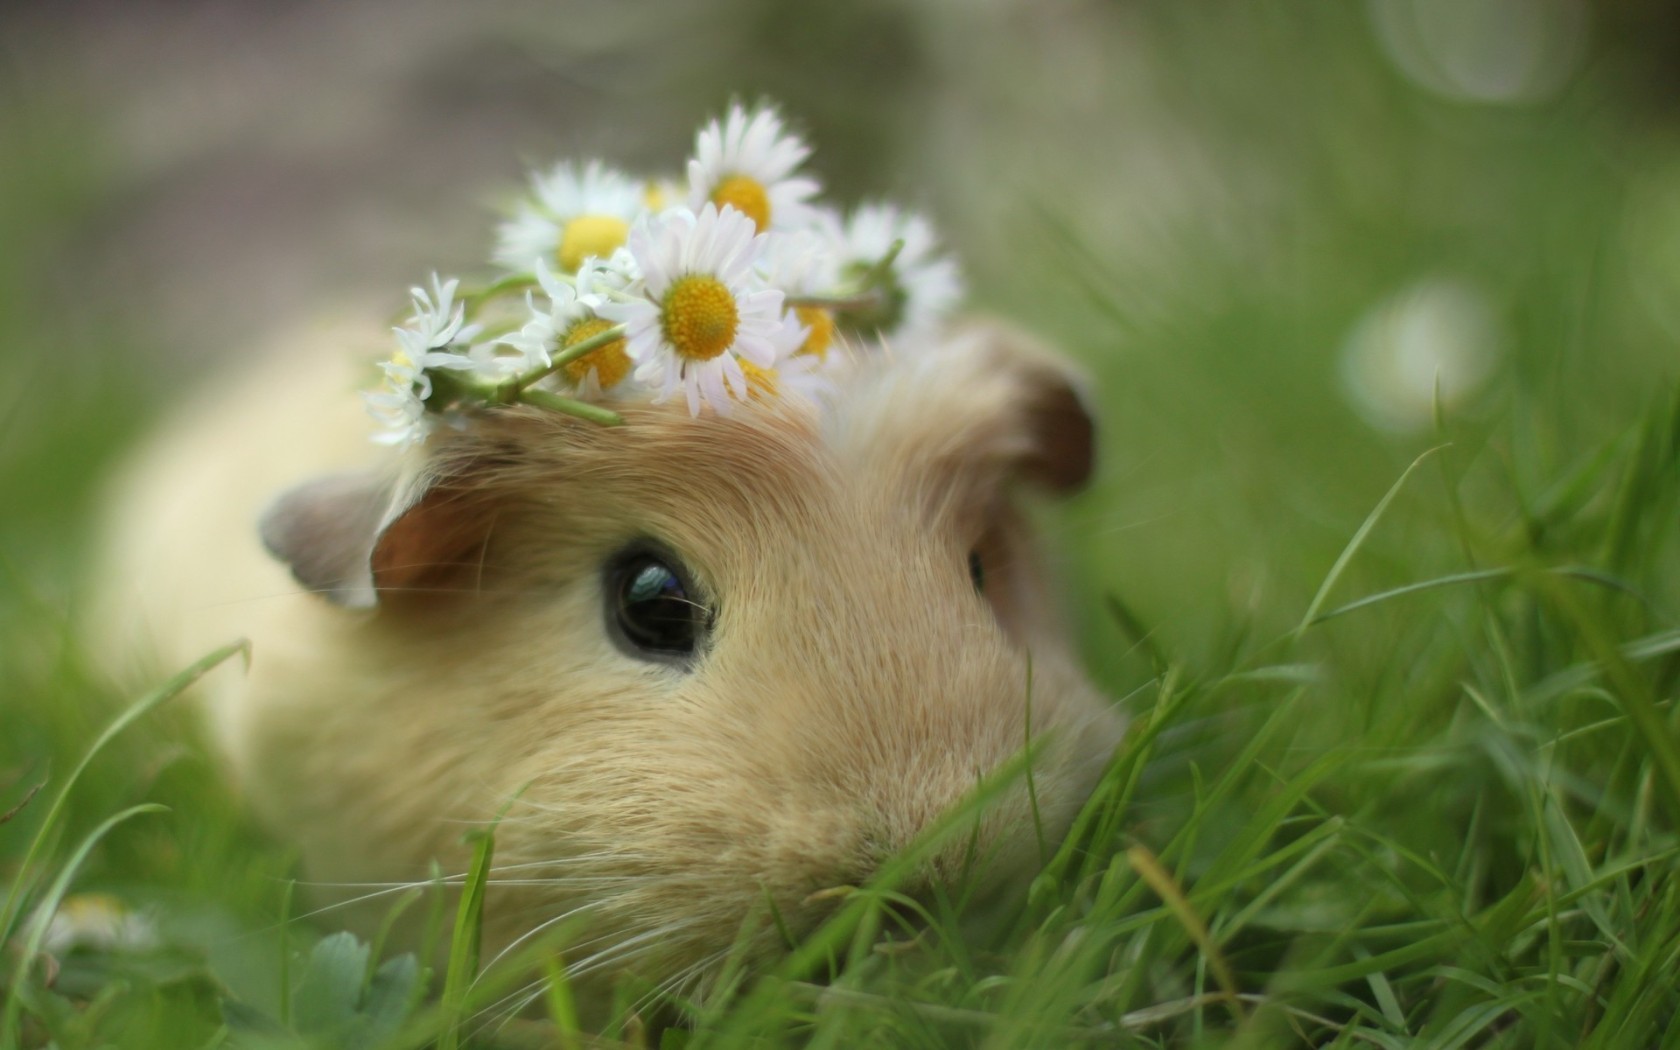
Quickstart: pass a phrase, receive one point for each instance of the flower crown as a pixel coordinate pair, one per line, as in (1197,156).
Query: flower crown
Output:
(733,285)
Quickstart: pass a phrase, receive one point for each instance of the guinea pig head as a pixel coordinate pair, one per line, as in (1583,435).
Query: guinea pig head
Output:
(724,662)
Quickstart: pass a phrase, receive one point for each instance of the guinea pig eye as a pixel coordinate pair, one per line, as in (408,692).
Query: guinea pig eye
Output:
(652,610)
(977,572)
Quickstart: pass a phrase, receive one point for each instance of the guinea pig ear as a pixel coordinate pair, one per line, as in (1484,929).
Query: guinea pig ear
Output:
(433,537)
(348,537)
(324,530)
(1064,437)
(1046,405)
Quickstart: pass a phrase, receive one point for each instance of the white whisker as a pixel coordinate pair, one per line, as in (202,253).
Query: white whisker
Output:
(542,927)
(616,951)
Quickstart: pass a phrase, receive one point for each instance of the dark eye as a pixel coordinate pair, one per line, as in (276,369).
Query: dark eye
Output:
(977,572)
(652,611)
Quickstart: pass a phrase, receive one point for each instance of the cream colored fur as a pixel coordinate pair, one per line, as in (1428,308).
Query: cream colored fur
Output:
(855,688)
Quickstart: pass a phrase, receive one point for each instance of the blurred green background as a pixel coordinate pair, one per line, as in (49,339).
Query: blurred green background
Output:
(1277,234)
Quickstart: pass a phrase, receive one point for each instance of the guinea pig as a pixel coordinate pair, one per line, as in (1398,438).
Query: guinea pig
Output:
(696,663)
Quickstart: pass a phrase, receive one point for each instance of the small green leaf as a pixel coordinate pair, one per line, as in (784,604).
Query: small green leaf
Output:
(246,1020)
(330,989)
(392,995)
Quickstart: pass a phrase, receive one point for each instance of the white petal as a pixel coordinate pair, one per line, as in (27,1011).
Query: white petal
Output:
(692,389)
(709,377)
(737,379)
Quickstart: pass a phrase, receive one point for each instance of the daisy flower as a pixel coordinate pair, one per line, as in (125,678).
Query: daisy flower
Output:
(921,286)
(428,340)
(569,319)
(807,263)
(612,275)
(99,921)
(703,311)
(796,373)
(437,324)
(661,193)
(576,215)
(747,162)
(399,404)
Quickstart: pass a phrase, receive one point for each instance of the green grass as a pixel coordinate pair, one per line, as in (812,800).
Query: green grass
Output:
(1467,844)
(1404,765)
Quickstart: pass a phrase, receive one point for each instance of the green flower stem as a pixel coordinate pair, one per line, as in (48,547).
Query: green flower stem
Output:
(871,293)
(516,282)
(876,276)
(581,409)
(521,384)
(451,388)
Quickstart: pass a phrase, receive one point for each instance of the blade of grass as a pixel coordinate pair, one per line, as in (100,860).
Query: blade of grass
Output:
(1569,679)
(1632,693)
(1648,471)
(1032,785)
(1440,944)
(285,968)
(464,944)
(849,929)
(139,709)
(1358,541)
(562,1008)
(1099,821)
(1141,636)
(45,910)
(1479,576)
(1321,840)
(1166,887)
(1383,992)
(1262,824)
(28,796)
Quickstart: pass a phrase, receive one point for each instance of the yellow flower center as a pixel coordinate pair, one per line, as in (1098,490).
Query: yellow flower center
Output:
(653,195)
(610,362)
(698,317)
(747,195)
(821,324)
(589,235)
(760,381)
